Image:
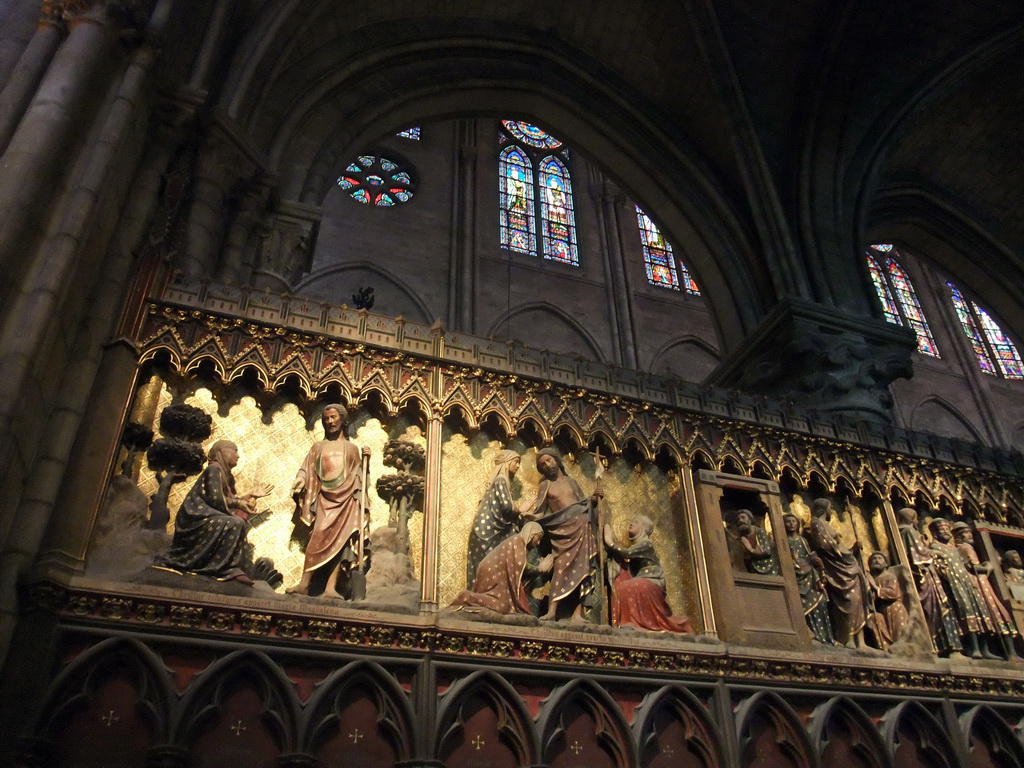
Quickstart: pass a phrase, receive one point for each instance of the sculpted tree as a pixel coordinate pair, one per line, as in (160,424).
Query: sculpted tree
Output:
(403,491)
(176,455)
(136,437)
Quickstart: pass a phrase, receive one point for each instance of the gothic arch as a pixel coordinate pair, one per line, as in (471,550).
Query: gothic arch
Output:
(913,734)
(75,688)
(935,409)
(204,702)
(765,721)
(514,725)
(985,730)
(395,720)
(560,316)
(585,699)
(696,729)
(411,299)
(689,343)
(300,125)
(840,717)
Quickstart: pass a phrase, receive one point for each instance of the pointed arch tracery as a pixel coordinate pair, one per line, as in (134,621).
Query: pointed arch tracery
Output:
(991,743)
(360,715)
(916,739)
(769,730)
(482,716)
(581,724)
(114,698)
(673,730)
(241,704)
(845,737)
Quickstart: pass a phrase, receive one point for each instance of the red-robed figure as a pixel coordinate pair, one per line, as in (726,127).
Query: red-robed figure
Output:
(638,591)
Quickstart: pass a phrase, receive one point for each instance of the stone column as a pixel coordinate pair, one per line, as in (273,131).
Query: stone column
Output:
(18,21)
(462,263)
(31,66)
(610,201)
(232,268)
(205,230)
(431,515)
(40,149)
(46,481)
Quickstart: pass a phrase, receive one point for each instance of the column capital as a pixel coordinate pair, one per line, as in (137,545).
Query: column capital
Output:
(822,358)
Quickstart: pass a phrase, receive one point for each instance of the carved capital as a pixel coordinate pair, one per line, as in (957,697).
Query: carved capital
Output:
(608,193)
(818,357)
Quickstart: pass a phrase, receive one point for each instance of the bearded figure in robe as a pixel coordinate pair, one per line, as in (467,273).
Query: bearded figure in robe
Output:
(934,602)
(329,490)
(999,624)
(845,583)
(568,517)
(808,566)
(890,619)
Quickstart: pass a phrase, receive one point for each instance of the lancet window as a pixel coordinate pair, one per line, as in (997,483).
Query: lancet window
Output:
(535,193)
(900,304)
(659,260)
(995,353)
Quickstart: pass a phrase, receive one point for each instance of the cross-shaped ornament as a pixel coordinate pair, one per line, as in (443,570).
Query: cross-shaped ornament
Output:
(109,719)
(667,750)
(238,728)
(576,747)
(478,742)
(356,735)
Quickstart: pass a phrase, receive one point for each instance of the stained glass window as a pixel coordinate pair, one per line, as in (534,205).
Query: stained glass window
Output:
(884,294)
(376,180)
(531,135)
(911,308)
(410,133)
(556,213)
(535,192)
(995,353)
(1005,352)
(900,304)
(659,260)
(970,327)
(518,225)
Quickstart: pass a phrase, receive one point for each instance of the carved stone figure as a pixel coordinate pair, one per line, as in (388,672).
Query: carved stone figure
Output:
(937,612)
(964,600)
(845,583)
(638,590)
(568,518)
(209,535)
(496,516)
(1013,572)
(329,490)
(809,581)
(999,624)
(889,617)
(1013,567)
(750,547)
(499,580)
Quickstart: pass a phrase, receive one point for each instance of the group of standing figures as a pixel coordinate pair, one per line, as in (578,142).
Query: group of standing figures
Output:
(558,543)
(554,556)
(844,604)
